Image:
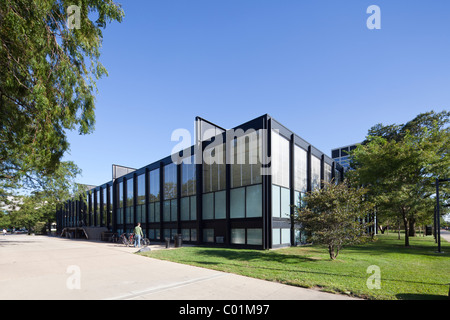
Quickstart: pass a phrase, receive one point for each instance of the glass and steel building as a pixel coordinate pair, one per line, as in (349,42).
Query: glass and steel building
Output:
(341,155)
(232,188)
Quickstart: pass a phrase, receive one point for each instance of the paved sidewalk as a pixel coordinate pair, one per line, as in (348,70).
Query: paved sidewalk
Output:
(41,267)
(445,235)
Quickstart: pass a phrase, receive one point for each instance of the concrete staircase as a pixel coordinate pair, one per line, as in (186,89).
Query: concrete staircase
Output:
(95,233)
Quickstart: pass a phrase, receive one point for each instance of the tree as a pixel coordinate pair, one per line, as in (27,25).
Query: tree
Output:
(40,206)
(5,220)
(400,164)
(48,75)
(336,216)
(29,213)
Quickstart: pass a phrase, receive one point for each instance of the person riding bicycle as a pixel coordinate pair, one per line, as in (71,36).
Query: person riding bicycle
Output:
(137,235)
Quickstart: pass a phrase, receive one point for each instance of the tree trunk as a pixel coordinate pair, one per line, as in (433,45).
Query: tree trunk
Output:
(412,227)
(331,252)
(405,223)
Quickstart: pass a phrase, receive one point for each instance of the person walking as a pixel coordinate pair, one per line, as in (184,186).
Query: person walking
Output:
(137,235)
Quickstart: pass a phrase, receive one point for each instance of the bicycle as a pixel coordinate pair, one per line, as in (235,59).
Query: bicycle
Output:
(114,238)
(144,242)
(125,240)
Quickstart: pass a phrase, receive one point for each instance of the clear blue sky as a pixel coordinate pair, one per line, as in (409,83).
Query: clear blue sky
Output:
(313,65)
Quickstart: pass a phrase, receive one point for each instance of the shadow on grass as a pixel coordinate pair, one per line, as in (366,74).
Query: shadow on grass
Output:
(223,260)
(262,256)
(423,246)
(413,296)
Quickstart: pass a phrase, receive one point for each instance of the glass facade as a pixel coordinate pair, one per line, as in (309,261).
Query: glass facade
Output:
(120,203)
(214,169)
(104,207)
(154,208)
(188,178)
(214,202)
(245,164)
(301,175)
(281,199)
(315,173)
(188,202)
(170,193)
(140,199)
(327,173)
(129,211)
(280,160)
(214,183)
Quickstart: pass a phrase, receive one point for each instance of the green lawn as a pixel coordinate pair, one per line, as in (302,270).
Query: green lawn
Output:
(406,273)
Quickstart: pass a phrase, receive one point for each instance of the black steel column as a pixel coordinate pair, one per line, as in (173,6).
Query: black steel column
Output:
(199,187)
(322,171)
(113,194)
(228,198)
(161,201)
(292,185)
(134,221)
(179,183)
(147,199)
(267,187)
(308,170)
(90,208)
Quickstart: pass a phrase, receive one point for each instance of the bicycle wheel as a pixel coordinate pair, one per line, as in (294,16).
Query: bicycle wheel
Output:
(145,242)
(131,241)
(125,240)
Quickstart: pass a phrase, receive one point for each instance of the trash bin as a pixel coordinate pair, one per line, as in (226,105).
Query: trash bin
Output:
(167,242)
(428,230)
(178,240)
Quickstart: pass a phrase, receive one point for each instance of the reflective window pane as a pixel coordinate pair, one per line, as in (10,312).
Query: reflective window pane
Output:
(188,178)
(276,201)
(315,173)
(130,194)
(285,236)
(276,236)
(214,168)
(285,203)
(327,172)
(254,201)
(184,209)
(300,169)
(280,160)
(170,181)
(166,212)
(154,186)
(120,194)
(173,210)
(238,236)
(208,206)
(254,236)
(193,207)
(220,205)
(140,189)
(208,235)
(237,203)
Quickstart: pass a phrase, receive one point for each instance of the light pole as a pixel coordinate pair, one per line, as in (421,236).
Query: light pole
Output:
(438,218)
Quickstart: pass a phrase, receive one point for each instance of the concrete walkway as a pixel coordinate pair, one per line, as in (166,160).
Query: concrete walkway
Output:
(445,235)
(41,267)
